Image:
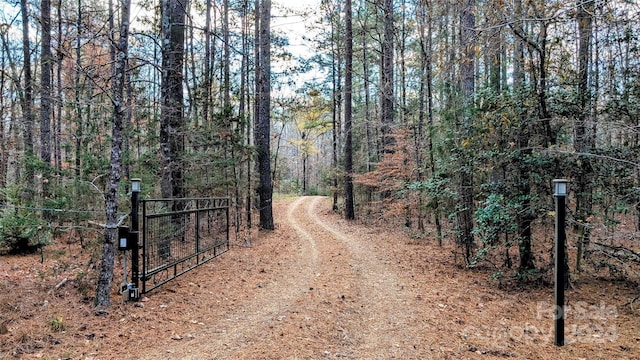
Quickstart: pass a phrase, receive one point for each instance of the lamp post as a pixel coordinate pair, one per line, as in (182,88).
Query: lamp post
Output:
(135,247)
(560,194)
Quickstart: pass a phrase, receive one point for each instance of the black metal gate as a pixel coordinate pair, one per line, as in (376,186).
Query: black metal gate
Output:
(179,235)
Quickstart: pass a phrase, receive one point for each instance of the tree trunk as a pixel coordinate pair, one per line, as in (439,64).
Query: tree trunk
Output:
(105,276)
(494,51)
(543,112)
(276,154)
(227,59)
(523,186)
(386,77)
(244,108)
(583,137)
(305,158)
(335,111)
(27,99)
(3,147)
(57,152)
(78,92)
(467,87)
(46,66)
(172,107)
(367,104)
(430,120)
(207,65)
(349,211)
(421,20)
(263,125)
(191,112)
(46,62)
(369,158)
(404,114)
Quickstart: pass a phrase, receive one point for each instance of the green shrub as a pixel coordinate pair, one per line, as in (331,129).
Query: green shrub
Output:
(22,230)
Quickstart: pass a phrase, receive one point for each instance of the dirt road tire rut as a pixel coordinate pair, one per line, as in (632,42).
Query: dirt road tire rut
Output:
(332,299)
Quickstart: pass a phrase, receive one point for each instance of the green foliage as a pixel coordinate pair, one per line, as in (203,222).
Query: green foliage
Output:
(289,186)
(314,191)
(57,324)
(214,152)
(528,275)
(497,275)
(436,189)
(496,217)
(22,230)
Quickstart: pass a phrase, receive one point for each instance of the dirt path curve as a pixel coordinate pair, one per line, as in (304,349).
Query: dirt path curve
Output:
(335,297)
(385,315)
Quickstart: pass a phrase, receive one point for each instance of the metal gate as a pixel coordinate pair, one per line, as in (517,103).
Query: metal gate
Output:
(179,235)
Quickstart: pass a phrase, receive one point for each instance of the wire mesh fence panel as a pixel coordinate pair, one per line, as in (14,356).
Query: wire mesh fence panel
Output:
(179,235)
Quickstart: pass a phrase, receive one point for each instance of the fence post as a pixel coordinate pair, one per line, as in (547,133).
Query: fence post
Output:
(135,258)
(227,213)
(197,229)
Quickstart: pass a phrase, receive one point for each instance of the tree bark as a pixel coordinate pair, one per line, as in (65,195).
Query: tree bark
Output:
(386,77)
(189,64)
(78,91)
(523,186)
(171,93)
(263,125)
(367,104)
(584,139)
(366,82)
(57,131)
(467,87)
(207,64)
(46,61)
(3,152)
(426,92)
(349,211)
(105,276)
(27,98)
(244,108)
(226,101)
(543,112)
(335,110)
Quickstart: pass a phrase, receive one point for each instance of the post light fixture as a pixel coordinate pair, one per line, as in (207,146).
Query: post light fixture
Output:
(560,194)
(560,187)
(134,294)
(135,185)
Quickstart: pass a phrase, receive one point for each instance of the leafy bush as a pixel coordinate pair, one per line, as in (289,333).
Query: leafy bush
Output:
(494,218)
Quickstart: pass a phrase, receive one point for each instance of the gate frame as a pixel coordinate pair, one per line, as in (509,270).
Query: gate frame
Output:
(218,204)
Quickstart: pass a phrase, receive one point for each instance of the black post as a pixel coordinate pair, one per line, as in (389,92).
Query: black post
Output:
(135,202)
(145,256)
(560,268)
(198,212)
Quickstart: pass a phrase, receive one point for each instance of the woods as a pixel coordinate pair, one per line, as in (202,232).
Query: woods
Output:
(449,120)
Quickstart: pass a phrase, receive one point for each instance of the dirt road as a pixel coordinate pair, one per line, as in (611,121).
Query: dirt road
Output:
(335,297)
(319,287)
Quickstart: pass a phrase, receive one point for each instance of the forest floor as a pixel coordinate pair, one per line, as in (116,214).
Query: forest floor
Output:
(317,287)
